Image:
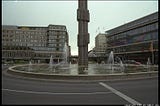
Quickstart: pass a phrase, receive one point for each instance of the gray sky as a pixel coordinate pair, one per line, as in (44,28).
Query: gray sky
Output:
(103,14)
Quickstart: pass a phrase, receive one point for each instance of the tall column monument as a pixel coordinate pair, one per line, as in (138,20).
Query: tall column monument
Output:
(83,35)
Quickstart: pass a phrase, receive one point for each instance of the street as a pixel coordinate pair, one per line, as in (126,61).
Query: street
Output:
(17,90)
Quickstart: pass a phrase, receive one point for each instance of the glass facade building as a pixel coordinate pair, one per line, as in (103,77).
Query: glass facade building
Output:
(136,40)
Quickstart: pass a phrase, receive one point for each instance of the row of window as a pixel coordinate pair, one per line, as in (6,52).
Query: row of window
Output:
(137,47)
(57,36)
(134,39)
(56,41)
(23,36)
(16,54)
(24,44)
(136,23)
(48,49)
(29,32)
(53,27)
(21,54)
(48,55)
(144,20)
(38,28)
(136,31)
(144,37)
(57,32)
(13,41)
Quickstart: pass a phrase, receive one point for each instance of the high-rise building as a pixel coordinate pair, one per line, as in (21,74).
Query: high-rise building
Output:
(100,44)
(34,43)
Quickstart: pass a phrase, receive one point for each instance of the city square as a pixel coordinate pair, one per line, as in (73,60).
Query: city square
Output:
(38,66)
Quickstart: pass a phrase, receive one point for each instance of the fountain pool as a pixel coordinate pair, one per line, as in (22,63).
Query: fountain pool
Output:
(93,69)
(63,68)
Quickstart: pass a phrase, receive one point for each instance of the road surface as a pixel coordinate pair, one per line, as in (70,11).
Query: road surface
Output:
(16,90)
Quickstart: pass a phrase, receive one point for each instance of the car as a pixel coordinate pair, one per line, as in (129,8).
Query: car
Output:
(131,62)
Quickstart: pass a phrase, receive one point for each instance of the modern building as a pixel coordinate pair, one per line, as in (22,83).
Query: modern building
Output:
(34,43)
(136,40)
(100,44)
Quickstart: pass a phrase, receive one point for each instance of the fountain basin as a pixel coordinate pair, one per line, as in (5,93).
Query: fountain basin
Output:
(67,76)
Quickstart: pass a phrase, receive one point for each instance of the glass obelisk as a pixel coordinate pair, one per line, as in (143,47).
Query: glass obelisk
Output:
(83,35)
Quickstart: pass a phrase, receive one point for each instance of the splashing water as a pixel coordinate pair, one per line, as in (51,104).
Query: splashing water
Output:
(65,54)
(51,63)
(122,66)
(29,66)
(111,61)
(148,64)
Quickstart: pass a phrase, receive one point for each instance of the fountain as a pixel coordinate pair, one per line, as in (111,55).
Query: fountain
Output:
(148,64)
(29,66)
(65,52)
(63,65)
(51,64)
(110,61)
(122,66)
(113,66)
(65,62)
(39,61)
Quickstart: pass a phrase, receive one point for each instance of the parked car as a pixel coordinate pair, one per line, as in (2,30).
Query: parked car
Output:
(132,62)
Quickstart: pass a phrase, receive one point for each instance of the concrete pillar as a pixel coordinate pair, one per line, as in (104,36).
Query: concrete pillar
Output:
(83,35)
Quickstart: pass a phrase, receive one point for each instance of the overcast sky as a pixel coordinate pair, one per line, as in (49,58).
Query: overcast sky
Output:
(103,14)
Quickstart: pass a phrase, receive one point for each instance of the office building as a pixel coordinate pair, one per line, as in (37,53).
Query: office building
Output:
(100,44)
(136,40)
(34,43)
